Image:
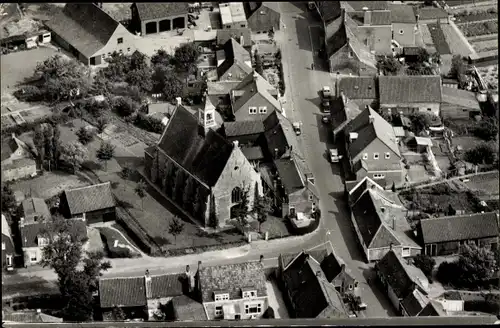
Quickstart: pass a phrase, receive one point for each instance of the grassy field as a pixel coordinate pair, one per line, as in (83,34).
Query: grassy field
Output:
(488,183)
(456,44)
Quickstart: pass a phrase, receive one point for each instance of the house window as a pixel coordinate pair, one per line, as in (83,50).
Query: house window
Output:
(236,195)
(375,155)
(387,155)
(221,297)
(109,54)
(356,284)
(42,241)
(242,25)
(253,308)
(350,287)
(33,257)
(401,32)
(218,311)
(311,197)
(365,156)
(429,109)
(228,26)
(292,211)
(8,259)
(349,54)
(378,176)
(406,251)
(262,110)
(249,294)
(252,110)
(3,246)
(120,40)
(128,49)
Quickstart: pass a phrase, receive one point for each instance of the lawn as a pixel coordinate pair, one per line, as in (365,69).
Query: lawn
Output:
(437,198)
(456,44)
(487,183)
(481,28)
(123,249)
(277,227)
(439,39)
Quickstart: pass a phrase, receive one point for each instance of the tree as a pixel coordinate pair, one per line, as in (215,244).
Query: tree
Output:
(8,199)
(481,154)
(388,65)
(261,207)
(84,135)
(423,120)
(458,67)
(424,263)
(178,186)
(141,78)
(475,264)
(487,130)
(38,140)
(140,190)
(258,63)
(138,61)
(105,152)
(101,124)
(75,154)
(117,69)
(165,81)
(186,56)
(118,314)
(124,106)
(242,209)
(213,221)
(56,152)
(63,254)
(162,57)
(451,211)
(393,188)
(175,228)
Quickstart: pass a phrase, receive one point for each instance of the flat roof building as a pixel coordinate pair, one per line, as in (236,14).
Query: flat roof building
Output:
(233,15)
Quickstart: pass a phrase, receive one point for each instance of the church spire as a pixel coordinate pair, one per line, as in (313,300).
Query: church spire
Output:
(206,115)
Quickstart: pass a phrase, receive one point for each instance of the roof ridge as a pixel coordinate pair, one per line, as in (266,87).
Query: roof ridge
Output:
(120,278)
(93,185)
(461,216)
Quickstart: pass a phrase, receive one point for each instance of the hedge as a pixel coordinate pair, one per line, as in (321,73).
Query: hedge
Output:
(201,249)
(148,123)
(281,83)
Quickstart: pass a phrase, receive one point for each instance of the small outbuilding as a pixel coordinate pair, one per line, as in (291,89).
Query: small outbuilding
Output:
(419,144)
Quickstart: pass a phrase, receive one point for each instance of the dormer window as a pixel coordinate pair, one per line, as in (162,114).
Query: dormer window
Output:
(311,197)
(221,297)
(42,241)
(262,110)
(365,156)
(249,294)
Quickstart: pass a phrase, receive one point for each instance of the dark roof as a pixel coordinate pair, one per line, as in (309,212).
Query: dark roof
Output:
(264,17)
(35,207)
(279,135)
(409,89)
(231,278)
(415,302)
(329,10)
(412,51)
(30,232)
(131,291)
(371,5)
(392,268)
(243,128)
(187,309)
(155,10)
(357,190)
(380,17)
(460,227)
(225,35)
(312,295)
(461,98)
(29,316)
(452,295)
(235,54)
(9,146)
(204,156)
(431,13)
(331,267)
(90,198)
(289,175)
(359,87)
(401,13)
(84,26)
(432,309)
(253,153)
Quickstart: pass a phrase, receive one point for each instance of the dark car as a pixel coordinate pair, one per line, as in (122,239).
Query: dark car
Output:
(325,119)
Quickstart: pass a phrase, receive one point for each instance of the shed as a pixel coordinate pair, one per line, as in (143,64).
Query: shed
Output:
(399,132)
(420,144)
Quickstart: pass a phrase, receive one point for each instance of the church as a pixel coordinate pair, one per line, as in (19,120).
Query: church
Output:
(199,169)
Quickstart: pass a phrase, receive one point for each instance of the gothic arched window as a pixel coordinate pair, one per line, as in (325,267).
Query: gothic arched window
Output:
(236,195)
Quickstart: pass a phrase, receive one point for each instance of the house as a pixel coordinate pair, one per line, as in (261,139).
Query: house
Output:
(139,297)
(308,292)
(451,301)
(95,203)
(450,83)
(219,94)
(405,284)
(359,6)
(419,144)
(242,35)
(157,17)
(363,90)
(215,170)
(409,94)
(233,291)
(445,235)
(344,51)
(372,149)
(206,66)
(254,99)
(263,17)
(459,104)
(404,24)
(232,15)
(17,160)
(247,133)
(332,266)
(8,248)
(34,236)
(374,30)
(342,111)
(160,107)
(380,223)
(29,317)
(234,62)
(431,15)
(293,182)
(89,33)
(34,209)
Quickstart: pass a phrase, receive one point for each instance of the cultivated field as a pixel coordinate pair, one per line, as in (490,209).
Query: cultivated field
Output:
(490,75)
(488,183)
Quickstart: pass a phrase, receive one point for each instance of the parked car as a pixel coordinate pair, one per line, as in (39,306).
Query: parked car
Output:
(334,155)
(325,119)
(326,96)
(326,92)
(296,128)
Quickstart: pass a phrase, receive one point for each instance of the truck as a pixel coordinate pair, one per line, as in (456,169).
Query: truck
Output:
(326,97)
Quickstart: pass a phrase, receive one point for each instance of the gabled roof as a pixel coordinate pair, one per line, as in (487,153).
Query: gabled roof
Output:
(432,309)
(131,291)
(393,268)
(415,302)
(379,17)
(371,5)
(357,190)
(155,10)
(460,227)
(252,84)
(34,207)
(430,13)
(90,198)
(243,128)
(328,10)
(368,132)
(85,26)
(265,16)
(9,146)
(279,135)
(235,54)
(204,156)
(460,98)
(359,87)
(225,35)
(410,89)
(231,278)
(31,232)
(29,316)
(289,174)
(401,13)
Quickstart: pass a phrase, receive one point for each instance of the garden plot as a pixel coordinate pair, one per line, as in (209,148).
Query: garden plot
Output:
(439,39)
(468,16)
(457,45)
(125,139)
(485,182)
(479,28)
(486,45)
(489,75)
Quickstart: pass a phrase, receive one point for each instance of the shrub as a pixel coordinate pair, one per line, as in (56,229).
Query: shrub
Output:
(119,252)
(425,263)
(124,106)
(148,123)
(487,130)
(29,93)
(29,126)
(446,272)
(84,135)
(481,154)
(440,189)
(281,83)
(95,108)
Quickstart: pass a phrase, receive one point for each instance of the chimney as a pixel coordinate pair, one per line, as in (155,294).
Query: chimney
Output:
(21,222)
(13,135)
(318,273)
(38,311)
(235,143)
(390,247)
(393,222)
(365,8)
(417,16)
(261,258)
(371,119)
(190,278)
(255,76)
(307,256)
(342,268)
(276,152)
(291,149)
(179,101)
(147,279)
(242,40)
(353,136)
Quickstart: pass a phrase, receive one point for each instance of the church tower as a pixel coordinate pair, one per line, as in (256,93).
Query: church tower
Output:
(206,116)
